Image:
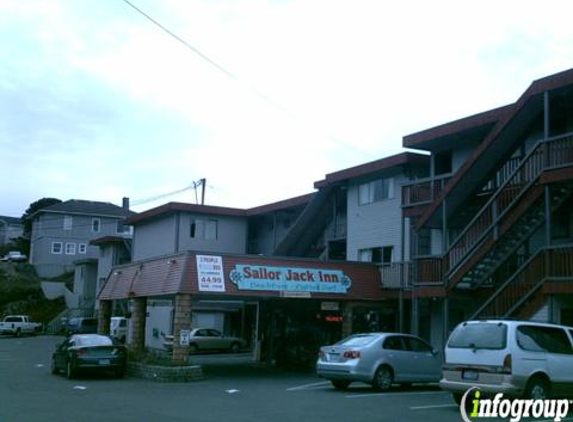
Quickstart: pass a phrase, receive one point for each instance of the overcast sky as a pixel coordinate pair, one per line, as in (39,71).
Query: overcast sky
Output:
(97,102)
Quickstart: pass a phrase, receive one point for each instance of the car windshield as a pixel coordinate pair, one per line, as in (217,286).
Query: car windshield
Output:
(358,340)
(479,336)
(87,341)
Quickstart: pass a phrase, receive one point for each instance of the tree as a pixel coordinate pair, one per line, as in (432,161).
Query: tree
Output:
(24,241)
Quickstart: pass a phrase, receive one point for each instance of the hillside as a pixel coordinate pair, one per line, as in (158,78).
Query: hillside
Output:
(20,293)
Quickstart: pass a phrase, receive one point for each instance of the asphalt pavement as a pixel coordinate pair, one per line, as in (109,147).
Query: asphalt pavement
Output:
(234,389)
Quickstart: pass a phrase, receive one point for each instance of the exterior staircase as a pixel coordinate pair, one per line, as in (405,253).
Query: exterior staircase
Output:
(521,295)
(513,237)
(509,217)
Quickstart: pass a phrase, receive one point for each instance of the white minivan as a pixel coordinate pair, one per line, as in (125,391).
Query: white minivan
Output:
(517,358)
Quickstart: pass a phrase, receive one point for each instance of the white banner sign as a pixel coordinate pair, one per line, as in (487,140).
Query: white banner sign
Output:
(210,273)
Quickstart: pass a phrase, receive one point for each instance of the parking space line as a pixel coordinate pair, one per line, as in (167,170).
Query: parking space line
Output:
(355,396)
(434,406)
(309,386)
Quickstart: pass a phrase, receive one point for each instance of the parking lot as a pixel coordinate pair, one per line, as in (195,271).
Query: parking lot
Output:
(234,389)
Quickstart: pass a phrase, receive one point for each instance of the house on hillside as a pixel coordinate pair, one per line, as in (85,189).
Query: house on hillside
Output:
(10,229)
(61,233)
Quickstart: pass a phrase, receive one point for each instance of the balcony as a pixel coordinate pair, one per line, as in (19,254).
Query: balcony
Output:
(423,191)
(395,275)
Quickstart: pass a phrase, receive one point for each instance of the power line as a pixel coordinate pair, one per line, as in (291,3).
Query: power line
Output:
(231,75)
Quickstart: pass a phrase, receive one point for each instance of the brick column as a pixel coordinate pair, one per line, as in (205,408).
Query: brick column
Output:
(347,315)
(182,321)
(104,317)
(138,320)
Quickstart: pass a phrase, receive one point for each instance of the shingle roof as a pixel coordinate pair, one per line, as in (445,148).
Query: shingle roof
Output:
(77,206)
(10,220)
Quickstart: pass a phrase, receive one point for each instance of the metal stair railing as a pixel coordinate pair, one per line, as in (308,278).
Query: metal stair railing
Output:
(541,266)
(550,153)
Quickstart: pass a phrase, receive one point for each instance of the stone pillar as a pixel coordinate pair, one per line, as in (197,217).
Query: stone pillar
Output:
(138,316)
(182,321)
(104,317)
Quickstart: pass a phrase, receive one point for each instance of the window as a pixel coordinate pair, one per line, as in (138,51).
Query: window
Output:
(68,220)
(57,247)
(443,162)
(204,229)
(70,248)
(96,225)
(211,230)
(479,336)
(122,228)
(394,343)
(416,345)
(381,255)
(375,191)
(543,339)
(82,248)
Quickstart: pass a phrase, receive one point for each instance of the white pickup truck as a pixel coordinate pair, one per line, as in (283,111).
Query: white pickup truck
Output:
(19,324)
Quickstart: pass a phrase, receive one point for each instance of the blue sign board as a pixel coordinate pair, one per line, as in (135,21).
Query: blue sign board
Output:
(289,279)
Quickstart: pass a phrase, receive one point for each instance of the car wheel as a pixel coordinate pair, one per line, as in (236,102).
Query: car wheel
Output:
(235,348)
(383,379)
(340,384)
(53,367)
(17,333)
(70,370)
(193,348)
(537,388)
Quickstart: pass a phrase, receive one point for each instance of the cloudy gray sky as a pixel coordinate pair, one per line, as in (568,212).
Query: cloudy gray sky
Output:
(96,102)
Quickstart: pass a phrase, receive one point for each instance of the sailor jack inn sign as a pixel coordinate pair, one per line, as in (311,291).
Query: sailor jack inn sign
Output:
(289,279)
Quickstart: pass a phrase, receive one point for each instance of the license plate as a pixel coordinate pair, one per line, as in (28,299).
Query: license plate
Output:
(104,362)
(333,357)
(470,375)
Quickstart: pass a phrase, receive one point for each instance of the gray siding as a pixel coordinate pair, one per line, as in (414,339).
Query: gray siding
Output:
(231,234)
(171,234)
(375,225)
(154,238)
(49,228)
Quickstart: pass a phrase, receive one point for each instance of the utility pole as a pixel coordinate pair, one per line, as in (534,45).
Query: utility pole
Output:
(202,183)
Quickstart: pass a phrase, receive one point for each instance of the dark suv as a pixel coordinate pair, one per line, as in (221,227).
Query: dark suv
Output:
(81,325)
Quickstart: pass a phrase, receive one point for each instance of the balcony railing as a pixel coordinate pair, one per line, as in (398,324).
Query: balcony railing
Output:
(395,275)
(423,191)
(552,153)
(429,270)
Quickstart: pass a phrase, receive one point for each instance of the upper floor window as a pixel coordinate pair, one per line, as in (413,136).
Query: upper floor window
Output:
(122,228)
(96,223)
(204,229)
(68,222)
(82,248)
(57,247)
(382,255)
(376,190)
(443,162)
(70,248)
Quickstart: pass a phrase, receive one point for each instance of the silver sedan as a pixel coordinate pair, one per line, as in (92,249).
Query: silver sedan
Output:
(379,359)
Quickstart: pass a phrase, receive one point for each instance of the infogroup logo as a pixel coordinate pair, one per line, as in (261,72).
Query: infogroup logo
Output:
(514,409)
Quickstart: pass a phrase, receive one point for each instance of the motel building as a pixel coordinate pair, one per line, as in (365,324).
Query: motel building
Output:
(272,303)
(478,224)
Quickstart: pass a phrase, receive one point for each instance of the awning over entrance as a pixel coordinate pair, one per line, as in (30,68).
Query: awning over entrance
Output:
(243,275)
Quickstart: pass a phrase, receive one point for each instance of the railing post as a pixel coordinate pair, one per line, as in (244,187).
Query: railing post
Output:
(546,129)
(547,215)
